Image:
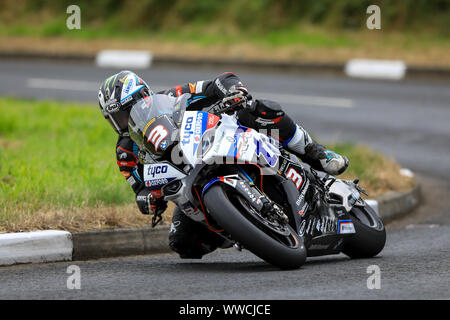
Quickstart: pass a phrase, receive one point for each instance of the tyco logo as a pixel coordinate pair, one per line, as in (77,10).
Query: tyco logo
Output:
(157,135)
(187,130)
(152,171)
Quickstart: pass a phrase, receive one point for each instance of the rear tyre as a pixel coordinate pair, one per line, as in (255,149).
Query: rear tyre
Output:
(284,251)
(370,236)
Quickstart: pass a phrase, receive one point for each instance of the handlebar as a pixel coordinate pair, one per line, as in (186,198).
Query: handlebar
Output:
(219,107)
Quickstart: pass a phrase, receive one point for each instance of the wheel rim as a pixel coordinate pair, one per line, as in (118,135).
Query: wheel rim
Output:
(282,234)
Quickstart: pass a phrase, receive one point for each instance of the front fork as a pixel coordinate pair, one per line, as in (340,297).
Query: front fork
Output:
(245,186)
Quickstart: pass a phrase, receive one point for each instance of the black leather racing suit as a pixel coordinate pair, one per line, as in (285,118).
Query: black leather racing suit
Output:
(190,239)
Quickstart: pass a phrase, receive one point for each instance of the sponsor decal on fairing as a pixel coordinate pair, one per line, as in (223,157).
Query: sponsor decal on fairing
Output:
(156,175)
(157,135)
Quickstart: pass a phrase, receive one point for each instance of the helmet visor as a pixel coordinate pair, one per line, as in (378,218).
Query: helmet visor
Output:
(119,120)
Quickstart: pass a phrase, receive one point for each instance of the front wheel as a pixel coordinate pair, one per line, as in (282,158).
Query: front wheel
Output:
(281,246)
(370,236)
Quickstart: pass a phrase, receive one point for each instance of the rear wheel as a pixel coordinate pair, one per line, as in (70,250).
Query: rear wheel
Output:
(275,243)
(370,236)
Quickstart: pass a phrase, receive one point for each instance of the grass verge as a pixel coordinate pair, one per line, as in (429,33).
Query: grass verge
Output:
(58,169)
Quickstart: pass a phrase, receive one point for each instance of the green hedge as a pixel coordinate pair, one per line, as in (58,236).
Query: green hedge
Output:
(247,15)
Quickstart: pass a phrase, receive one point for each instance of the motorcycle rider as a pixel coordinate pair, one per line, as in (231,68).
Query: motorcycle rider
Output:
(188,238)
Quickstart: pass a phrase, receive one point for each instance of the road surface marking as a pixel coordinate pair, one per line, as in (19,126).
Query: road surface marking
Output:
(58,84)
(124,59)
(295,99)
(376,69)
(306,100)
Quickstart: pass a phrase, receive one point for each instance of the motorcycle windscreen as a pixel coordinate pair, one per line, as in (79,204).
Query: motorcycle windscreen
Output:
(150,124)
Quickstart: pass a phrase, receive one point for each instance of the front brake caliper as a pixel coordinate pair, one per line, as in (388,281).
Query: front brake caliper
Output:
(255,198)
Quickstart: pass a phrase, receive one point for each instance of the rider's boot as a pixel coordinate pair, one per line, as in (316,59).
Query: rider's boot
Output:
(315,154)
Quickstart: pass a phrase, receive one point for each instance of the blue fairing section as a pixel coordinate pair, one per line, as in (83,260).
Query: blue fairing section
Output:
(232,152)
(204,123)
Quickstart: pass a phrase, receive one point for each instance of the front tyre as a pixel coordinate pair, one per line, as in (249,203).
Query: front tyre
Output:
(286,252)
(370,236)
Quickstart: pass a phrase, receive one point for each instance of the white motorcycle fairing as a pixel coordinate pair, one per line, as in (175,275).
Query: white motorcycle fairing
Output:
(203,138)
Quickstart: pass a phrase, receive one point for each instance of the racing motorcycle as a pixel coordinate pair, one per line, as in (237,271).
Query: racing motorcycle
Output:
(240,184)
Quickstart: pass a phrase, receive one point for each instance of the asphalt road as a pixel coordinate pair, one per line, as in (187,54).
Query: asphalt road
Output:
(407,120)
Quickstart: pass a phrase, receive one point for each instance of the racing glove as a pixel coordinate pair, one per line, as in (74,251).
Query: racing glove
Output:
(237,95)
(150,204)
